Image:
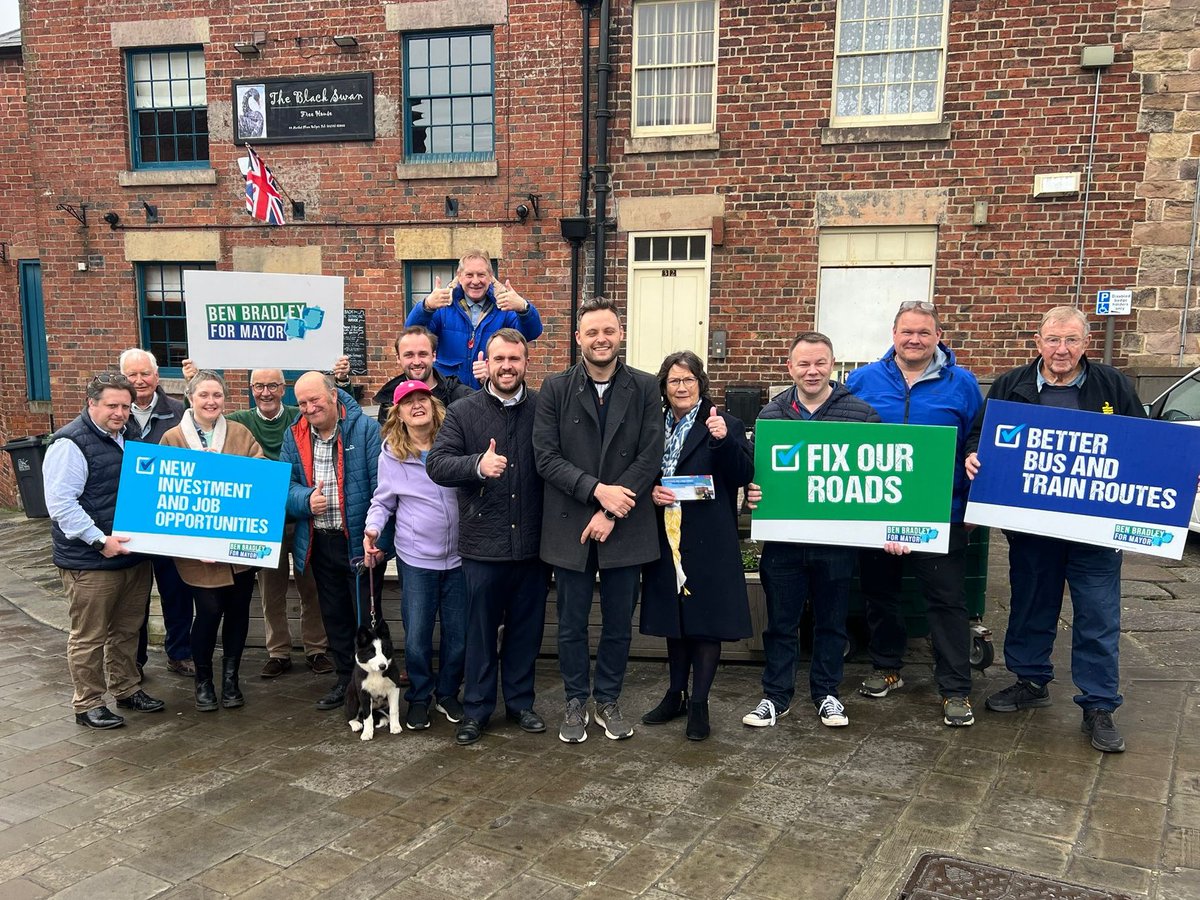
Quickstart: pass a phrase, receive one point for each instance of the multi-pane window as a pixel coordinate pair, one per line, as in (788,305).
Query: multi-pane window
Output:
(890,61)
(164,319)
(449,90)
(168,108)
(419,277)
(674,66)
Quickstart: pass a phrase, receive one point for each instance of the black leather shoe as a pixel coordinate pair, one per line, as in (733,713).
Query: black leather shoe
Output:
(528,720)
(206,694)
(100,717)
(674,704)
(469,732)
(697,720)
(142,702)
(335,699)
(231,692)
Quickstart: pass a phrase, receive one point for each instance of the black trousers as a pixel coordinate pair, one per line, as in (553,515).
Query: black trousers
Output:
(345,595)
(226,609)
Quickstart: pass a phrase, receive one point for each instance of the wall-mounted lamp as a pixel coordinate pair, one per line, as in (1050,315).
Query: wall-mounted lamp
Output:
(345,41)
(112,219)
(253,46)
(151,213)
(451,207)
(522,212)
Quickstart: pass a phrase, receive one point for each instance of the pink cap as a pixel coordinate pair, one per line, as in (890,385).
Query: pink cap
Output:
(404,388)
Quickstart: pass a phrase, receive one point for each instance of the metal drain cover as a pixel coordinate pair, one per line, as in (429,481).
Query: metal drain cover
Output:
(938,877)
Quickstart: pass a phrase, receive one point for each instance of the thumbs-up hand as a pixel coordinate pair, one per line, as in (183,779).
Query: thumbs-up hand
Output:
(479,368)
(317,501)
(508,299)
(438,297)
(492,464)
(715,424)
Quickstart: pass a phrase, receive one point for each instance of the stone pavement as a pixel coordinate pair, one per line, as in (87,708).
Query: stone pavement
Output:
(277,799)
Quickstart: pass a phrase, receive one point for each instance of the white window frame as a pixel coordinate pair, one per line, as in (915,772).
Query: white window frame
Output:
(897,13)
(640,67)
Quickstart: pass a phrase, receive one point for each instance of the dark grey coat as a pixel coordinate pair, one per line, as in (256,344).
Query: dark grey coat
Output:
(574,458)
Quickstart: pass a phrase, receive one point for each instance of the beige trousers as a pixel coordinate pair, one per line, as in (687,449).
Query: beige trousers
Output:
(273,586)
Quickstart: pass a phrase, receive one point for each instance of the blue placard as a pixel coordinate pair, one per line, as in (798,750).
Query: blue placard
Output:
(199,505)
(1112,481)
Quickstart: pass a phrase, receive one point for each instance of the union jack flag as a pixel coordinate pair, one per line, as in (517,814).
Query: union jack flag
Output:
(263,200)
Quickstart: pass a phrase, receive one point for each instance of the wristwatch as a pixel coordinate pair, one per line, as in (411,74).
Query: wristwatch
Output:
(612,517)
(99,544)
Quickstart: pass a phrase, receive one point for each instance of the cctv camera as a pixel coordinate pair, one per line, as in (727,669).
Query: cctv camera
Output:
(522,212)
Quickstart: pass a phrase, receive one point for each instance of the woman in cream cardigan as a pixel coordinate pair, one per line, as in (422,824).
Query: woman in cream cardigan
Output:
(221,590)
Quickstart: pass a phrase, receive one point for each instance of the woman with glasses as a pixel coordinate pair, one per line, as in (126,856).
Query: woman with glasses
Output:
(426,545)
(694,595)
(222,590)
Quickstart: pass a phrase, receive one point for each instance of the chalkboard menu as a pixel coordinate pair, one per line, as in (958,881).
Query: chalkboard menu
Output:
(354,339)
(305,110)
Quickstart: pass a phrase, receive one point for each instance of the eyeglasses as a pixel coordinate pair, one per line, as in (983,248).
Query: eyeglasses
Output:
(261,388)
(1055,342)
(681,382)
(922,305)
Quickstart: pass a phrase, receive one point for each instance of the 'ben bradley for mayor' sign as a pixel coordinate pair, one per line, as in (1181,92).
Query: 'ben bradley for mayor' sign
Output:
(294,110)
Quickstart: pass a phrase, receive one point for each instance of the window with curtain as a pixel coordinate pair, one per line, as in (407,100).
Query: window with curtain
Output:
(890,62)
(674,67)
(168,108)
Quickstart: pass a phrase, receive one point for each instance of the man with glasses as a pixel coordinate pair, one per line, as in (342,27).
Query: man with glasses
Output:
(917,382)
(268,420)
(1040,567)
(106,585)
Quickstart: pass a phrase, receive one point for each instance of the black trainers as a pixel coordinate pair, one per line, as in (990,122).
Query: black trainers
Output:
(1021,695)
(1099,724)
(418,716)
(450,708)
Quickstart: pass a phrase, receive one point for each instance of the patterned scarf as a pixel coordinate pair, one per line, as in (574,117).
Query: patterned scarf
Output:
(677,432)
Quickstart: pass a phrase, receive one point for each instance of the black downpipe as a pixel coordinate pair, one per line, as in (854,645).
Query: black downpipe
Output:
(585,174)
(601,168)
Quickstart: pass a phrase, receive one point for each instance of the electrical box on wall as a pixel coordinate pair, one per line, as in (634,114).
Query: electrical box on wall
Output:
(1057,184)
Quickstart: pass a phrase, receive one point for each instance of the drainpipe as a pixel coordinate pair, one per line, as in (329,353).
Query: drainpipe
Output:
(585,174)
(601,169)
(1191,261)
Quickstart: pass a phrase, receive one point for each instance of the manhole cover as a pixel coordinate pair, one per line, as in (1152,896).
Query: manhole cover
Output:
(938,877)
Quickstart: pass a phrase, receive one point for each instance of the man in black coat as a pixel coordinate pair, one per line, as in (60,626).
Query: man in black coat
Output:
(598,439)
(1039,567)
(485,449)
(795,574)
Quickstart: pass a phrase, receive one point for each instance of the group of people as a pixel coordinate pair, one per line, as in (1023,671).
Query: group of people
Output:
(484,489)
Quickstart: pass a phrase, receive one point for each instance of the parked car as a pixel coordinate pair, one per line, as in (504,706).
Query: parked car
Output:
(1181,403)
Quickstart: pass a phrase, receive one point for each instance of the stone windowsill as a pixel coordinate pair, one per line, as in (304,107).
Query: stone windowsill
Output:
(166,177)
(41,406)
(673,143)
(886,134)
(447,170)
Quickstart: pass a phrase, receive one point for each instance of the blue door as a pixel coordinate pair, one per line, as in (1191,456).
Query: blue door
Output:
(33,323)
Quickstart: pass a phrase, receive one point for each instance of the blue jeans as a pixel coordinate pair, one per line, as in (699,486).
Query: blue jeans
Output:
(618,597)
(793,575)
(1038,568)
(430,594)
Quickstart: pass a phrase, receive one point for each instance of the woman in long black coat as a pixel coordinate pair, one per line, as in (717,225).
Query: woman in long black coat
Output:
(711,606)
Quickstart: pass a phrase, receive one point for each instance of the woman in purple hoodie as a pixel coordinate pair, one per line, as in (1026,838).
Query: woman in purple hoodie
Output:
(427,548)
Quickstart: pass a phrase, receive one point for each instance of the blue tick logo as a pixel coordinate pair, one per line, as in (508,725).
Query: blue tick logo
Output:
(1009,435)
(145,465)
(786,457)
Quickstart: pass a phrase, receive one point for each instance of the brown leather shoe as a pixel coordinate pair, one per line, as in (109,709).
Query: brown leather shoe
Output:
(320,663)
(184,667)
(276,666)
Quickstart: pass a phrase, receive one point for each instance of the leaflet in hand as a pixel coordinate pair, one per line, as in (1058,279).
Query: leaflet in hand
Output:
(690,487)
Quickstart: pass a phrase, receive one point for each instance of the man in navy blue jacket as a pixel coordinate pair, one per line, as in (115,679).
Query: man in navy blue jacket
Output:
(918,383)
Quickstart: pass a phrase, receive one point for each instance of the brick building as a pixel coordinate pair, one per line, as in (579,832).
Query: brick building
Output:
(762,168)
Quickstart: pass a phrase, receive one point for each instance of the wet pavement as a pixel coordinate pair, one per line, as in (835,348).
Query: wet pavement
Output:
(278,799)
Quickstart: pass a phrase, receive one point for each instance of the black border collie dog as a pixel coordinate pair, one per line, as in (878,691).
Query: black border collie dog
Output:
(376,680)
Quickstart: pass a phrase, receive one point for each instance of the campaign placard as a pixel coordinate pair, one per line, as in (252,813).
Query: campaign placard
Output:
(201,505)
(1111,481)
(255,320)
(854,484)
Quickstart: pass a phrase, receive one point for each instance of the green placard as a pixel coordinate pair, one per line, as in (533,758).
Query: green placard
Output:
(854,484)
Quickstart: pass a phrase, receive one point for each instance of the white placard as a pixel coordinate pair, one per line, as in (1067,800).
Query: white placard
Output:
(1114,303)
(252,320)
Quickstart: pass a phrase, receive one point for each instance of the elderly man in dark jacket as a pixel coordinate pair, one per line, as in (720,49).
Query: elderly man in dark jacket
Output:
(333,449)
(795,574)
(485,449)
(1039,567)
(598,438)
(153,415)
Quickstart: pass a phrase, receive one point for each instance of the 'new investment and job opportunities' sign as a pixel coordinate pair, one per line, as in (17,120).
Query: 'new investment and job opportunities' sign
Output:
(1112,481)
(853,484)
(200,505)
